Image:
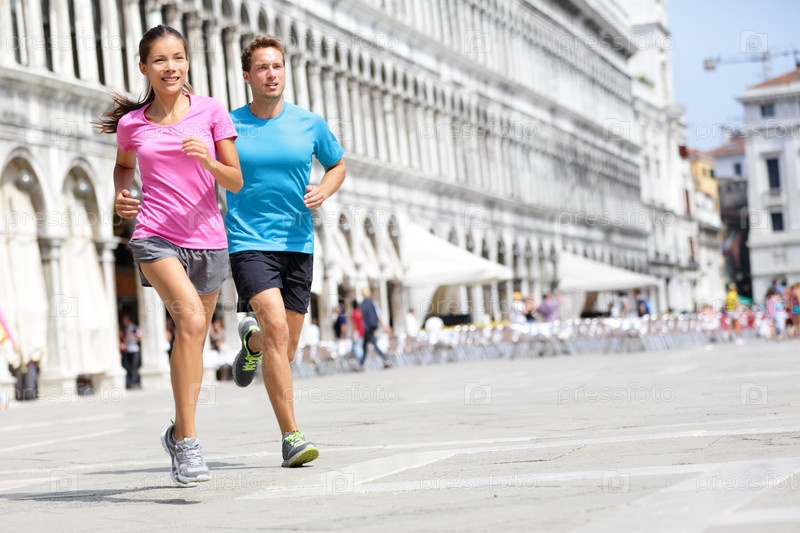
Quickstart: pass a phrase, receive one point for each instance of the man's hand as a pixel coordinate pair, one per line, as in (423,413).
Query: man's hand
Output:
(314,197)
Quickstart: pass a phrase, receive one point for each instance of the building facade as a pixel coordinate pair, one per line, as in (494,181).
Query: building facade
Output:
(772,156)
(711,276)
(498,126)
(667,186)
(730,171)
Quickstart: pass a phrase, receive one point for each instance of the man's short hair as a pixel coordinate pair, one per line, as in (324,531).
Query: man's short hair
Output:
(261,41)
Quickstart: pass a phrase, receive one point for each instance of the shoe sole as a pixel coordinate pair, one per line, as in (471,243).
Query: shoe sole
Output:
(173,475)
(306,456)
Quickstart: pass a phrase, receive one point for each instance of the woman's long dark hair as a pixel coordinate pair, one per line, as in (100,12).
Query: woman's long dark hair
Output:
(122,105)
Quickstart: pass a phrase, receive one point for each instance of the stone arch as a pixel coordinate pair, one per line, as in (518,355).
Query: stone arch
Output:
(227,10)
(22,171)
(280,32)
(502,252)
(312,44)
(373,72)
(80,181)
(244,18)
(263,22)
(452,236)
(294,41)
(345,224)
(469,242)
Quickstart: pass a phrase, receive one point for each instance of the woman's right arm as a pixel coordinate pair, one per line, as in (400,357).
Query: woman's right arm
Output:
(124,170)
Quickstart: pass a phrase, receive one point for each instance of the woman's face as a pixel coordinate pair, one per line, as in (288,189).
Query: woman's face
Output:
(166,66)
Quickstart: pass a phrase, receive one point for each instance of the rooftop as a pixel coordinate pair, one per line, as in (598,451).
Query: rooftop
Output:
(734,145)
(783,79)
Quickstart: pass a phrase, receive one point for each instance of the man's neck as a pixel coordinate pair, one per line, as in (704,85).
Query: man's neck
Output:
(267,108)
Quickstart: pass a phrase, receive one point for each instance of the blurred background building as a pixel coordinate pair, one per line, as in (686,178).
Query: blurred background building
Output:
(730,171)
(535,143)
(771,148)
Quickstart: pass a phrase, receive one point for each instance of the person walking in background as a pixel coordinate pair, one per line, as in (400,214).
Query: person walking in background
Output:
(643,307)
(517,311)
(548,309)
(184,146)
(372,321)
(530,310)
(131,352)
(792,297)
(357,331)
(412,323)
(776,314)
(271,230)
(340,330)
(732,312)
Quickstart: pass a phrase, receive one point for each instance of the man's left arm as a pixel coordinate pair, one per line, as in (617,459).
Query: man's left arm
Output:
(330,183)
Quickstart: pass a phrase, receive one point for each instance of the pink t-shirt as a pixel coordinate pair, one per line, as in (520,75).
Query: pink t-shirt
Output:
(179,202)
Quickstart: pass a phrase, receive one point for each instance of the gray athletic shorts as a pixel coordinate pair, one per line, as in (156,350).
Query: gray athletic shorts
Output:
(207,269)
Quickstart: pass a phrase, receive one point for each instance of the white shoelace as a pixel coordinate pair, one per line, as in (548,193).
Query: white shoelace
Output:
(191,455)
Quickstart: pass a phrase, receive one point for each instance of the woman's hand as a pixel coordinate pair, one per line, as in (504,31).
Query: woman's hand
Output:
(194,147)
(125,206)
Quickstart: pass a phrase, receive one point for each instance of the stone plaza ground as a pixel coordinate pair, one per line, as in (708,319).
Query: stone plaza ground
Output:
(702,439)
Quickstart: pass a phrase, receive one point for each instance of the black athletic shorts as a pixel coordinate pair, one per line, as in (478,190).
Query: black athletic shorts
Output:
(291,272)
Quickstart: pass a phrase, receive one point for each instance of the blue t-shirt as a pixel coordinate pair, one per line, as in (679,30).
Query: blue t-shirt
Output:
(268,214)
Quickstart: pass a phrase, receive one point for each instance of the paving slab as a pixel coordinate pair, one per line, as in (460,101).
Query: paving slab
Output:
(702,439)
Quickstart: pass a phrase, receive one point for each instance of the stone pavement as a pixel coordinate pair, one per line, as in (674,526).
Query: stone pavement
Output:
(706,439)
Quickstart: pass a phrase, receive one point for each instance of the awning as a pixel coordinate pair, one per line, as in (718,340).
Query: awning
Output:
(369,259)
(577,273)
(393,265)
(432,261)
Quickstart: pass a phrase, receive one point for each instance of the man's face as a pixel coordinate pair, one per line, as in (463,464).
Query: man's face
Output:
(267,75)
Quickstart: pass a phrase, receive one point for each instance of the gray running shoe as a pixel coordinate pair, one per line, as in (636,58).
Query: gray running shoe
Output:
(297,450)
(246,362)
(188,466)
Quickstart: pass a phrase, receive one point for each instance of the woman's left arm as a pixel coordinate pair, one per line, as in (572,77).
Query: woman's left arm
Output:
(226,171)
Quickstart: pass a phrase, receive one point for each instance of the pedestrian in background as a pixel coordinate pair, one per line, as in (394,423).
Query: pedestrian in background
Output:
(357,331)
(372,321)
(131,352)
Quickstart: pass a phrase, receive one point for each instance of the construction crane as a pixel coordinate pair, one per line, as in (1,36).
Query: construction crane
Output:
(764,57)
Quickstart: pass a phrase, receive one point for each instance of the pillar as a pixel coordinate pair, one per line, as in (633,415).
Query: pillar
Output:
(55,375)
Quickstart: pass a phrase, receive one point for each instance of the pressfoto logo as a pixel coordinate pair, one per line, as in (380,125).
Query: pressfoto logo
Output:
(616,130)
(63,306)
(614,481)
(62,129)
(341,129)
(752,394)
(477,217)
(476,42)
(753,42)
(337,482)
(81,39)
(477,394)
(631,40)
(60,481)
(357,40)
(206,394)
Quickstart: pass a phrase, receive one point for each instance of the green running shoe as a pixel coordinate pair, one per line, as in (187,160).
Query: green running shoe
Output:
(246,362)
(297,450)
